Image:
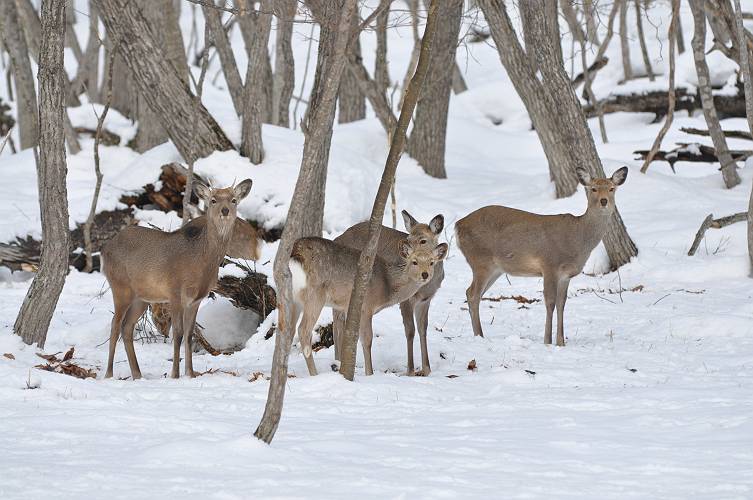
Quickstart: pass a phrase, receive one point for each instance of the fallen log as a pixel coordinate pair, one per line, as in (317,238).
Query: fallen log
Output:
(691,152)
(710,222)
(734,134)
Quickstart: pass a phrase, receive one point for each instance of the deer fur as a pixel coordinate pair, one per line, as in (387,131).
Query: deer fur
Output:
(323,272)
(421,236)
(144,266)
(497,240)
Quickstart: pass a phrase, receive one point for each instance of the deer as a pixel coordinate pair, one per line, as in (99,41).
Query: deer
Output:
(497,240)
(421,236)
(145,266)
(323,272)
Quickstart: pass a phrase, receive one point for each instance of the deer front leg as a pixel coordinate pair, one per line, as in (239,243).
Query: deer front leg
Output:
(338,326)
(562,287)
(311,310)
(422,318)
(406,311)
(366,334)
(133,314)
(121,306)
(189,322)
(176,321)
(550,297)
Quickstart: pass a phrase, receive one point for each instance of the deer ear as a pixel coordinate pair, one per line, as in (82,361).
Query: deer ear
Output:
(583,176)
(437,224)
(440,251)
(405,248)
(201,190)
(619,176)
(242,189)
(408,220)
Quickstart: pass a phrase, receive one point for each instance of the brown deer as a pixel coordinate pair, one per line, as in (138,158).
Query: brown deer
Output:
(323,273)
(144,266)
(497,240)
(421,236)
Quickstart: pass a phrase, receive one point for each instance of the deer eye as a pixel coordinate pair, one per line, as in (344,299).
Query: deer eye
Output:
(593,190)
(423,242)
(415,263)
(233,201)
(214,200)
(431,263)
(611,190)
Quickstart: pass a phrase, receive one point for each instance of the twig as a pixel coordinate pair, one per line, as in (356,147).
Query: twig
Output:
(5,141)
(719,223)
(735,134)
(305,74)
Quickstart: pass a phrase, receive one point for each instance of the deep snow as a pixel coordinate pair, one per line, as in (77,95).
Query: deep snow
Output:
(651,398)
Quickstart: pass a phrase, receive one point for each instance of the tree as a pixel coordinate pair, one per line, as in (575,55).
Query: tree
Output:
(427,140)
(284,76)
(15,43)
(227,59)
(366,260)
(307,205)
(351,101)
(41,299)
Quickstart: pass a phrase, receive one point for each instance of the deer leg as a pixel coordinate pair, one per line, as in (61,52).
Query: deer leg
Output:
(338,326)
(367,335)
(561,299)
(121,306)
(133,314)
(483,279)
(176,320)
(311,312)
(406,311)
(422,318)
(189,320)
(550,296)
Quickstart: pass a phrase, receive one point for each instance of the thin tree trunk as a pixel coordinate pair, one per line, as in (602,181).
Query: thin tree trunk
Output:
(71,40)
(305,215)
(26,103)
(284,75)
(672,36)
(248,30)
(729,167)
(351,101)
(627,69)
(366,259)
(381,66)
(427,139)
(589,11)
(36,312)
(458,82)
(227,58)
(680,36)
(161,86)
(87,74)
(255,98)
(642,40)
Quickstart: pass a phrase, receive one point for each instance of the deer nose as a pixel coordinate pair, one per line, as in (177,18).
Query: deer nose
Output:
(424,275)
(604,202)
(225,211)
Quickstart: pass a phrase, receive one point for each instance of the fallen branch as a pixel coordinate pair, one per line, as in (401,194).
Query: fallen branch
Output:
(692,152)
(592,69)
(710,222)
(734,134)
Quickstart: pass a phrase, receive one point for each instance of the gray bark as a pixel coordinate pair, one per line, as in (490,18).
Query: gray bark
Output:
(36,312)
(227,58)
(87,74)
(627,69)
(284,75)
(381,66)
(351,101)
(427,140)
(642,40)
(261,59)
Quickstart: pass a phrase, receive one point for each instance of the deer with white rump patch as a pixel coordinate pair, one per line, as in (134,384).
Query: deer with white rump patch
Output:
(497,240)
(323,273)
(144,266)
(421,236)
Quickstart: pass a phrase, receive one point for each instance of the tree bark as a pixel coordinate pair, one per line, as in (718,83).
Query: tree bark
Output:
(381,66)
(366,259)
(227,58)
(248,30)
(307,205)
(255,98)
(627,68)
(642,40)
(87,74)
(351,101)
(284,75)
(36,312)
(161,86)
(729,167)
(26,103)
(427,140)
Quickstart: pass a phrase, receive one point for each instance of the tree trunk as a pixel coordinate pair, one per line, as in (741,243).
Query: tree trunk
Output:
(627,69)
(284,76)
(458,82)
(589,11)
(41,299)
(26,102)
(248,30)
(427,140)
(305,214)
(729,167)
(161,86)
(368,254)
(381,66)
(642,40)
(227,58)
(255,99)
(87,74)
(351,101)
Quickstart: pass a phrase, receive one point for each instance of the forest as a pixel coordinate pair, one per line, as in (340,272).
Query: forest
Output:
(376,248)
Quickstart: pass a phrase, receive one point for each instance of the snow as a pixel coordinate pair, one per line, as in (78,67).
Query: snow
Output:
(651,397)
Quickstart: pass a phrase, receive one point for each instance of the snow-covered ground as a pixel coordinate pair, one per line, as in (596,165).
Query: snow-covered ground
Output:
(651,398)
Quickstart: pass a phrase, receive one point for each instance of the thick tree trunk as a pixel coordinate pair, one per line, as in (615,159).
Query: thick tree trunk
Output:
(305,215)
(161,86)
(36,312)
(255,98)
(26,102)
(227,58)
(729,167)
(427,140)
(284,76)
(351,101)
(368,254)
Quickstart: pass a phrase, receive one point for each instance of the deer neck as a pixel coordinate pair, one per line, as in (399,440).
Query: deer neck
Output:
(592,225)
(216,240)
(399,282)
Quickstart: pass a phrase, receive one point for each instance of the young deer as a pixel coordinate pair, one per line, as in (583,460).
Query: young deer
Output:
(146,266)
(420,236)
(323,273)
(497,240)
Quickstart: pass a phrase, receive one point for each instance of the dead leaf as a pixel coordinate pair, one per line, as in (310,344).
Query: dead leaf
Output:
(472,365)
(49,357)
(451,376)
(69,354)
(9,355)
(256,376)
(530,372)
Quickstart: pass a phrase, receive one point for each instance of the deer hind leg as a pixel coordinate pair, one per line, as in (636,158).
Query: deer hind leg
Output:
(367,335)
(550,297)
(189,321)
(422,318)
(483,278)
(311,311)
(338,327)
(133,314)
(562,287)
(176,320)
(121,301)
(406,311)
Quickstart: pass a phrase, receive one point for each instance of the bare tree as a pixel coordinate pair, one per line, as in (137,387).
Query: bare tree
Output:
(351,101)
(41,299)
(642,40)
(284,76)
(307,205)
(381,67)
(87,74)
(729,167)
(427,139)
(366,260)
(627,68)
(227,59)
(15,43)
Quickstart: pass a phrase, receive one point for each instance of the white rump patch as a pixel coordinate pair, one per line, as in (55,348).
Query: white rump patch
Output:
(299,276)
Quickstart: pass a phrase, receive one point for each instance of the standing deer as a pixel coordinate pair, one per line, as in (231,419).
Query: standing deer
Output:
(144,266)
(497,240)
(323,274)
(420,236)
